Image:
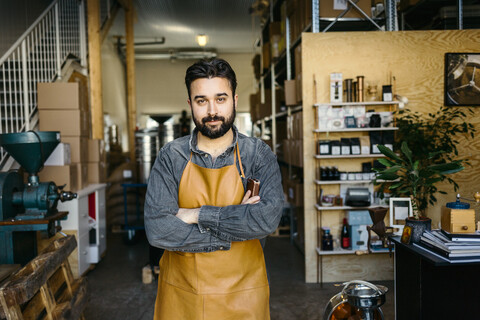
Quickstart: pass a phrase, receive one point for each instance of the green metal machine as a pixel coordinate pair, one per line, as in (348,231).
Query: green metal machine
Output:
(26,208)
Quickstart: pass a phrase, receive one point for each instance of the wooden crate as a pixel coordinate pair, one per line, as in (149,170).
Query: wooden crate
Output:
(45,288)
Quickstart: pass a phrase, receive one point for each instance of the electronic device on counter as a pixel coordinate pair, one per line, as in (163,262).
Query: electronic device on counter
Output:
(357,197)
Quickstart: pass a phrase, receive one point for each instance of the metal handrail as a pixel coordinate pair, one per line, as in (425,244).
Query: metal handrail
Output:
(37,56)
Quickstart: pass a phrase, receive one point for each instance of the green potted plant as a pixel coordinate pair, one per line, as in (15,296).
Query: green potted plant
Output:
(427,156)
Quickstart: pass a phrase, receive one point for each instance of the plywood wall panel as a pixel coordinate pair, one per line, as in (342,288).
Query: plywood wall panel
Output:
(416,60)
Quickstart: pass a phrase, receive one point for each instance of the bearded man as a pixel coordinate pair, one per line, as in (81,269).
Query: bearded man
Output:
(198,210)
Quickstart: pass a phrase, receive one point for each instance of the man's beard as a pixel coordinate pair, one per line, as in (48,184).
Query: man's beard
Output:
(217,132)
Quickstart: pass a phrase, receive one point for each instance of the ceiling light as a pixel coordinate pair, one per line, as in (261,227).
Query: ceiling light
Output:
(201,40)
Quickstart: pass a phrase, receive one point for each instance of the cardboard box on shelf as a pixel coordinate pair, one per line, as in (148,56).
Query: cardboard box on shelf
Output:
(295,192)
(266,51)
(61,156)
(68,122)
(331,9)
(60,96)
(96,172)
(78,148)
(298,88)
(290,93)
(96,150)
(61,175)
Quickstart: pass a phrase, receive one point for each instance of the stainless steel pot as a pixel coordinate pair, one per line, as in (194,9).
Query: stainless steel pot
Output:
(359,298)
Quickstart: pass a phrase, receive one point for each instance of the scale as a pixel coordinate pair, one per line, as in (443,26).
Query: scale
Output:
(27,208)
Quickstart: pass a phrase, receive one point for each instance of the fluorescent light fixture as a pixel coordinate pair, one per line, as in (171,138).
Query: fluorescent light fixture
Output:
(201,40)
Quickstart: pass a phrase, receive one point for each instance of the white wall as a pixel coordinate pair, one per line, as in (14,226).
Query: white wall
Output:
(161,84)
(114,89)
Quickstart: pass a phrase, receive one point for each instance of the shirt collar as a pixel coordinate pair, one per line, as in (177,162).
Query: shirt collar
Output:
(194,142)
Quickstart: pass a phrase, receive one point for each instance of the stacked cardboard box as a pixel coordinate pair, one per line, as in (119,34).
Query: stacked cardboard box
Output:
(63,107)
(96,161)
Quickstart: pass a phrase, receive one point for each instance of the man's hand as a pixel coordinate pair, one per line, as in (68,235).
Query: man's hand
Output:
(250,200)
(189,216)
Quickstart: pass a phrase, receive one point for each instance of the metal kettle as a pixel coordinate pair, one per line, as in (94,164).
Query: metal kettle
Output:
(358,300)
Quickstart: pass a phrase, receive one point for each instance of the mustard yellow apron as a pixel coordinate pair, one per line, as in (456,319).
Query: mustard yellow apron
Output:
(223,285)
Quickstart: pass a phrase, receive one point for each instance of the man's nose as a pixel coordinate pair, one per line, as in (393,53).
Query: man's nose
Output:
(212,109)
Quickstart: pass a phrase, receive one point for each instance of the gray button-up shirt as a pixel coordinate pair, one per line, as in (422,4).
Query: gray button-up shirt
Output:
(217,226)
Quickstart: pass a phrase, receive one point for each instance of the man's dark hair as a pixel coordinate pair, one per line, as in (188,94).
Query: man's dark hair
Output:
(210,69)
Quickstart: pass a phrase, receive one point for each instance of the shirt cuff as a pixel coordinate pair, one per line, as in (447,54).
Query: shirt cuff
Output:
(208,217)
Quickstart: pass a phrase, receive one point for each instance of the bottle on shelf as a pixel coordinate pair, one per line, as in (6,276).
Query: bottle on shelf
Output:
(345,235)
(327,240)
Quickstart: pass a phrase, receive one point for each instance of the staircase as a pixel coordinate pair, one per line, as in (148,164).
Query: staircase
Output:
(57,36)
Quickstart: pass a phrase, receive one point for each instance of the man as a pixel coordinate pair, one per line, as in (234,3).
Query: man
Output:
(197,209)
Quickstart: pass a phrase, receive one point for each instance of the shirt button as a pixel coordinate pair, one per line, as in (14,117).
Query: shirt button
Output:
(206,155)
(208,229)
(221,248)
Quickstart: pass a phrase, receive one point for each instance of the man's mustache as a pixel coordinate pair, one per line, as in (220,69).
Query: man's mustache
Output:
(214,118)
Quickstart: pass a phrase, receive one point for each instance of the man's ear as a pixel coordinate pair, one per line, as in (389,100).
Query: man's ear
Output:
(236,101)
(189,103)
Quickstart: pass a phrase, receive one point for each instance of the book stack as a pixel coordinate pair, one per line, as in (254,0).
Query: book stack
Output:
(455,248)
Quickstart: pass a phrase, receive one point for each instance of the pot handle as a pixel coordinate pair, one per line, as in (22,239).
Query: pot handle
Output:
(368,284)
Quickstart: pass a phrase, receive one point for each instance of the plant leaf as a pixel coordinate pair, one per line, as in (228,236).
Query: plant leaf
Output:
(389,153)
(406,151)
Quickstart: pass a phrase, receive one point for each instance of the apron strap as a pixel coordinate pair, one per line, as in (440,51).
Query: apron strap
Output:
(237,152)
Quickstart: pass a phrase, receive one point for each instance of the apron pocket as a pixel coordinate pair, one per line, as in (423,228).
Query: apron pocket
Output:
(182,271)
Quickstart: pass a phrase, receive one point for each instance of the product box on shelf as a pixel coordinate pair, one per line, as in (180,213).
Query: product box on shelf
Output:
(359,237)
(295,192)
(266,51)
(332,8)
(290,93)
(82,175)
(96,172)
(336,87)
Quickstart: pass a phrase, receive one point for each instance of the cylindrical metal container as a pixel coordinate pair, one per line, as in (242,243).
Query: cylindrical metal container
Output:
(358,298)
(146,149)
(168,132)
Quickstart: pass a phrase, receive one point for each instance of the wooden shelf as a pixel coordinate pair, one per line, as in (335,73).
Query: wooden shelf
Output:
(320,208)
(364,103)
(348,156)
(340,251)
(325,182)
(355,129)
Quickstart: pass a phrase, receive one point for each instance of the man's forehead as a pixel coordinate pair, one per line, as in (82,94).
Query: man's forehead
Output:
(219,84)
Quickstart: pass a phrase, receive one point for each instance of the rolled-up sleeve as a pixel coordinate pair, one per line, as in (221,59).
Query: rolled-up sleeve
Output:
(250,221)
(163,228)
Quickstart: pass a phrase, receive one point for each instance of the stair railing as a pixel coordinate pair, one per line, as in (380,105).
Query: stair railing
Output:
(58,34)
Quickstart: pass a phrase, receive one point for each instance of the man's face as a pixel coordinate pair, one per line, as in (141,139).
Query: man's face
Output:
(213,106)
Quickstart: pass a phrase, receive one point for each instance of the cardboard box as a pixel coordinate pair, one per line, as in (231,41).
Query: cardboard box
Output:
(61,96)
(68,122)
(295,192)
(266,51)
(61,156)
(82,175)
(61,175)
(96,172)
(290,92)
(78,148)
(328,10)
(96,150)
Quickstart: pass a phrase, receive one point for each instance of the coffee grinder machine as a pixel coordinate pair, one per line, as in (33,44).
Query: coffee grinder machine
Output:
(27,208)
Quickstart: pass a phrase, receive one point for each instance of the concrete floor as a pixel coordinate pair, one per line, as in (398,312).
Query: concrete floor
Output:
(117,291)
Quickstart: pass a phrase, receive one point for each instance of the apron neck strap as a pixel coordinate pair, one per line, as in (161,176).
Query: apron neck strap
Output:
(237,152)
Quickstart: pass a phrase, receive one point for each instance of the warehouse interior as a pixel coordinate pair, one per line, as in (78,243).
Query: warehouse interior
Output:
(91,90)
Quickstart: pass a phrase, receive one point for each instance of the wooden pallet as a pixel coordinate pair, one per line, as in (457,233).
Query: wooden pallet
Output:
(45,288)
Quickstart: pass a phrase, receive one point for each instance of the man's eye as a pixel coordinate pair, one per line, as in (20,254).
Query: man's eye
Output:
(221,99)
(200,101)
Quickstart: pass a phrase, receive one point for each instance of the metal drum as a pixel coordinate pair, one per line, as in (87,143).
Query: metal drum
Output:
(146,150)
(359,299)
(167,132)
